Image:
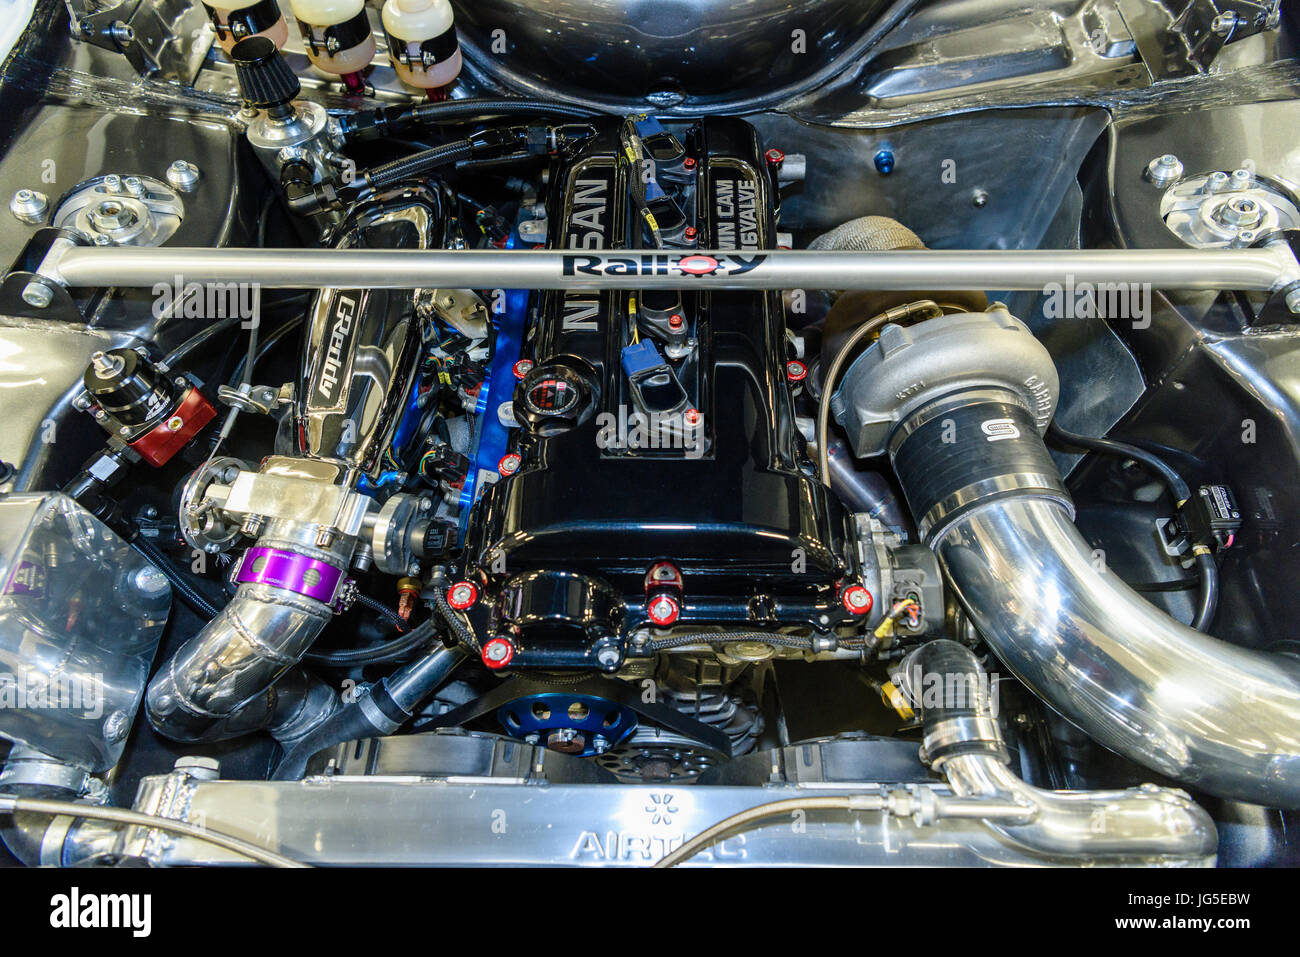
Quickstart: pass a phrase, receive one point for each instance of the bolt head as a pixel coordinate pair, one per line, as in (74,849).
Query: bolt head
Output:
(38,294)
(1164,170)
(663,610)
(857,600)
(1293,300)
(498,652)
(462,595)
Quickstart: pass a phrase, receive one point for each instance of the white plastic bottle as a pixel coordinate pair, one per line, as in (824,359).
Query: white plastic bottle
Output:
(337,36)
(422,42)
(236,19)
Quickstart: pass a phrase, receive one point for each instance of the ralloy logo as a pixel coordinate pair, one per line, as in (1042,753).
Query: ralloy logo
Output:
(998,429)
(75,910)
(700,265)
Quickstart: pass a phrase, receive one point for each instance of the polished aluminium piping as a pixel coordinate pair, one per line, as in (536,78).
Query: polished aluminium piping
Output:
(1266,269)
(1219,718)
(963,742)
(239,673)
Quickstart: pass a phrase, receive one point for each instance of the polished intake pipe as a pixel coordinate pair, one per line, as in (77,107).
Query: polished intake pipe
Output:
(1216,717)
(992,505)
(962,741)
(239,673)
(966,443)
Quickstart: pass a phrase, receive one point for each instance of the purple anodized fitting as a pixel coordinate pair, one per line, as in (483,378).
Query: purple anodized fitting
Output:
(297,573)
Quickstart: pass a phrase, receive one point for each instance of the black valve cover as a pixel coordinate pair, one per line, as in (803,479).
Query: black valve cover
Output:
(734,504)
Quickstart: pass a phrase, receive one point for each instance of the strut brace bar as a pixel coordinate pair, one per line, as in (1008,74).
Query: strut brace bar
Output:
(1271,268)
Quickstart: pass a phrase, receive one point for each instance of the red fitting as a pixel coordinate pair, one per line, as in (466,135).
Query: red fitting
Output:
(509,463)
(498,652)
(462,595)
(775,156)
(169,436)
(675,321)
(857,600)
(663,610)
(522,368)
(796,371)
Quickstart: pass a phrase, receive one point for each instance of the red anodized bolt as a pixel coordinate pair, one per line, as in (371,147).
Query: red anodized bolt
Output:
(663,610)
(509,463)
(498,652)
(775,156)
(522,368)
(462,595)
(857,600)
(796,371)
(675,321)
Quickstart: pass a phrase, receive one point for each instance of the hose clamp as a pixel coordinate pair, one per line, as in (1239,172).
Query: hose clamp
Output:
(962,733)
(302,574)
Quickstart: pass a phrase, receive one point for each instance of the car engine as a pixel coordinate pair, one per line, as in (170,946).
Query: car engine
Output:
(589,432)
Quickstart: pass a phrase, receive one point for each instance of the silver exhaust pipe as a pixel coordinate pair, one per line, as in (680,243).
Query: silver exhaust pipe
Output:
(966,445)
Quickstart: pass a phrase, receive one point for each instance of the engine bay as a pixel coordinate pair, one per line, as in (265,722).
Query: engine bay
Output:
(411,430)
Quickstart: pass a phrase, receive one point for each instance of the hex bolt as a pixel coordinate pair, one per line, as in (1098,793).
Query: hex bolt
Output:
(1165,170)
(1242,178)
(29,206)
(1293,300)
(38,294)
(1216,181)
(183,175)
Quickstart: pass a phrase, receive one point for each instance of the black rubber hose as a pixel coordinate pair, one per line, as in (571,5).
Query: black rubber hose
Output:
(1209,596)
(385,651)
(187,592)
(1111,447)
(374,124)
(1208,600)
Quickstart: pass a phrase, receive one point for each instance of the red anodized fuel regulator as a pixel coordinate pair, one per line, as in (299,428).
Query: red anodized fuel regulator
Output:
(138,403)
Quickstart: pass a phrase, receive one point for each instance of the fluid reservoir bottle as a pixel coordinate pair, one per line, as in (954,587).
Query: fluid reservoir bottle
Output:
(337,36)
(236,19)
(422,42)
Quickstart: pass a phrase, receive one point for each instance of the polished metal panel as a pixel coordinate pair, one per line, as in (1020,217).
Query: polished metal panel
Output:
(1218,718)
(678,49)
(936,269)
(413,821)
(362,344)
